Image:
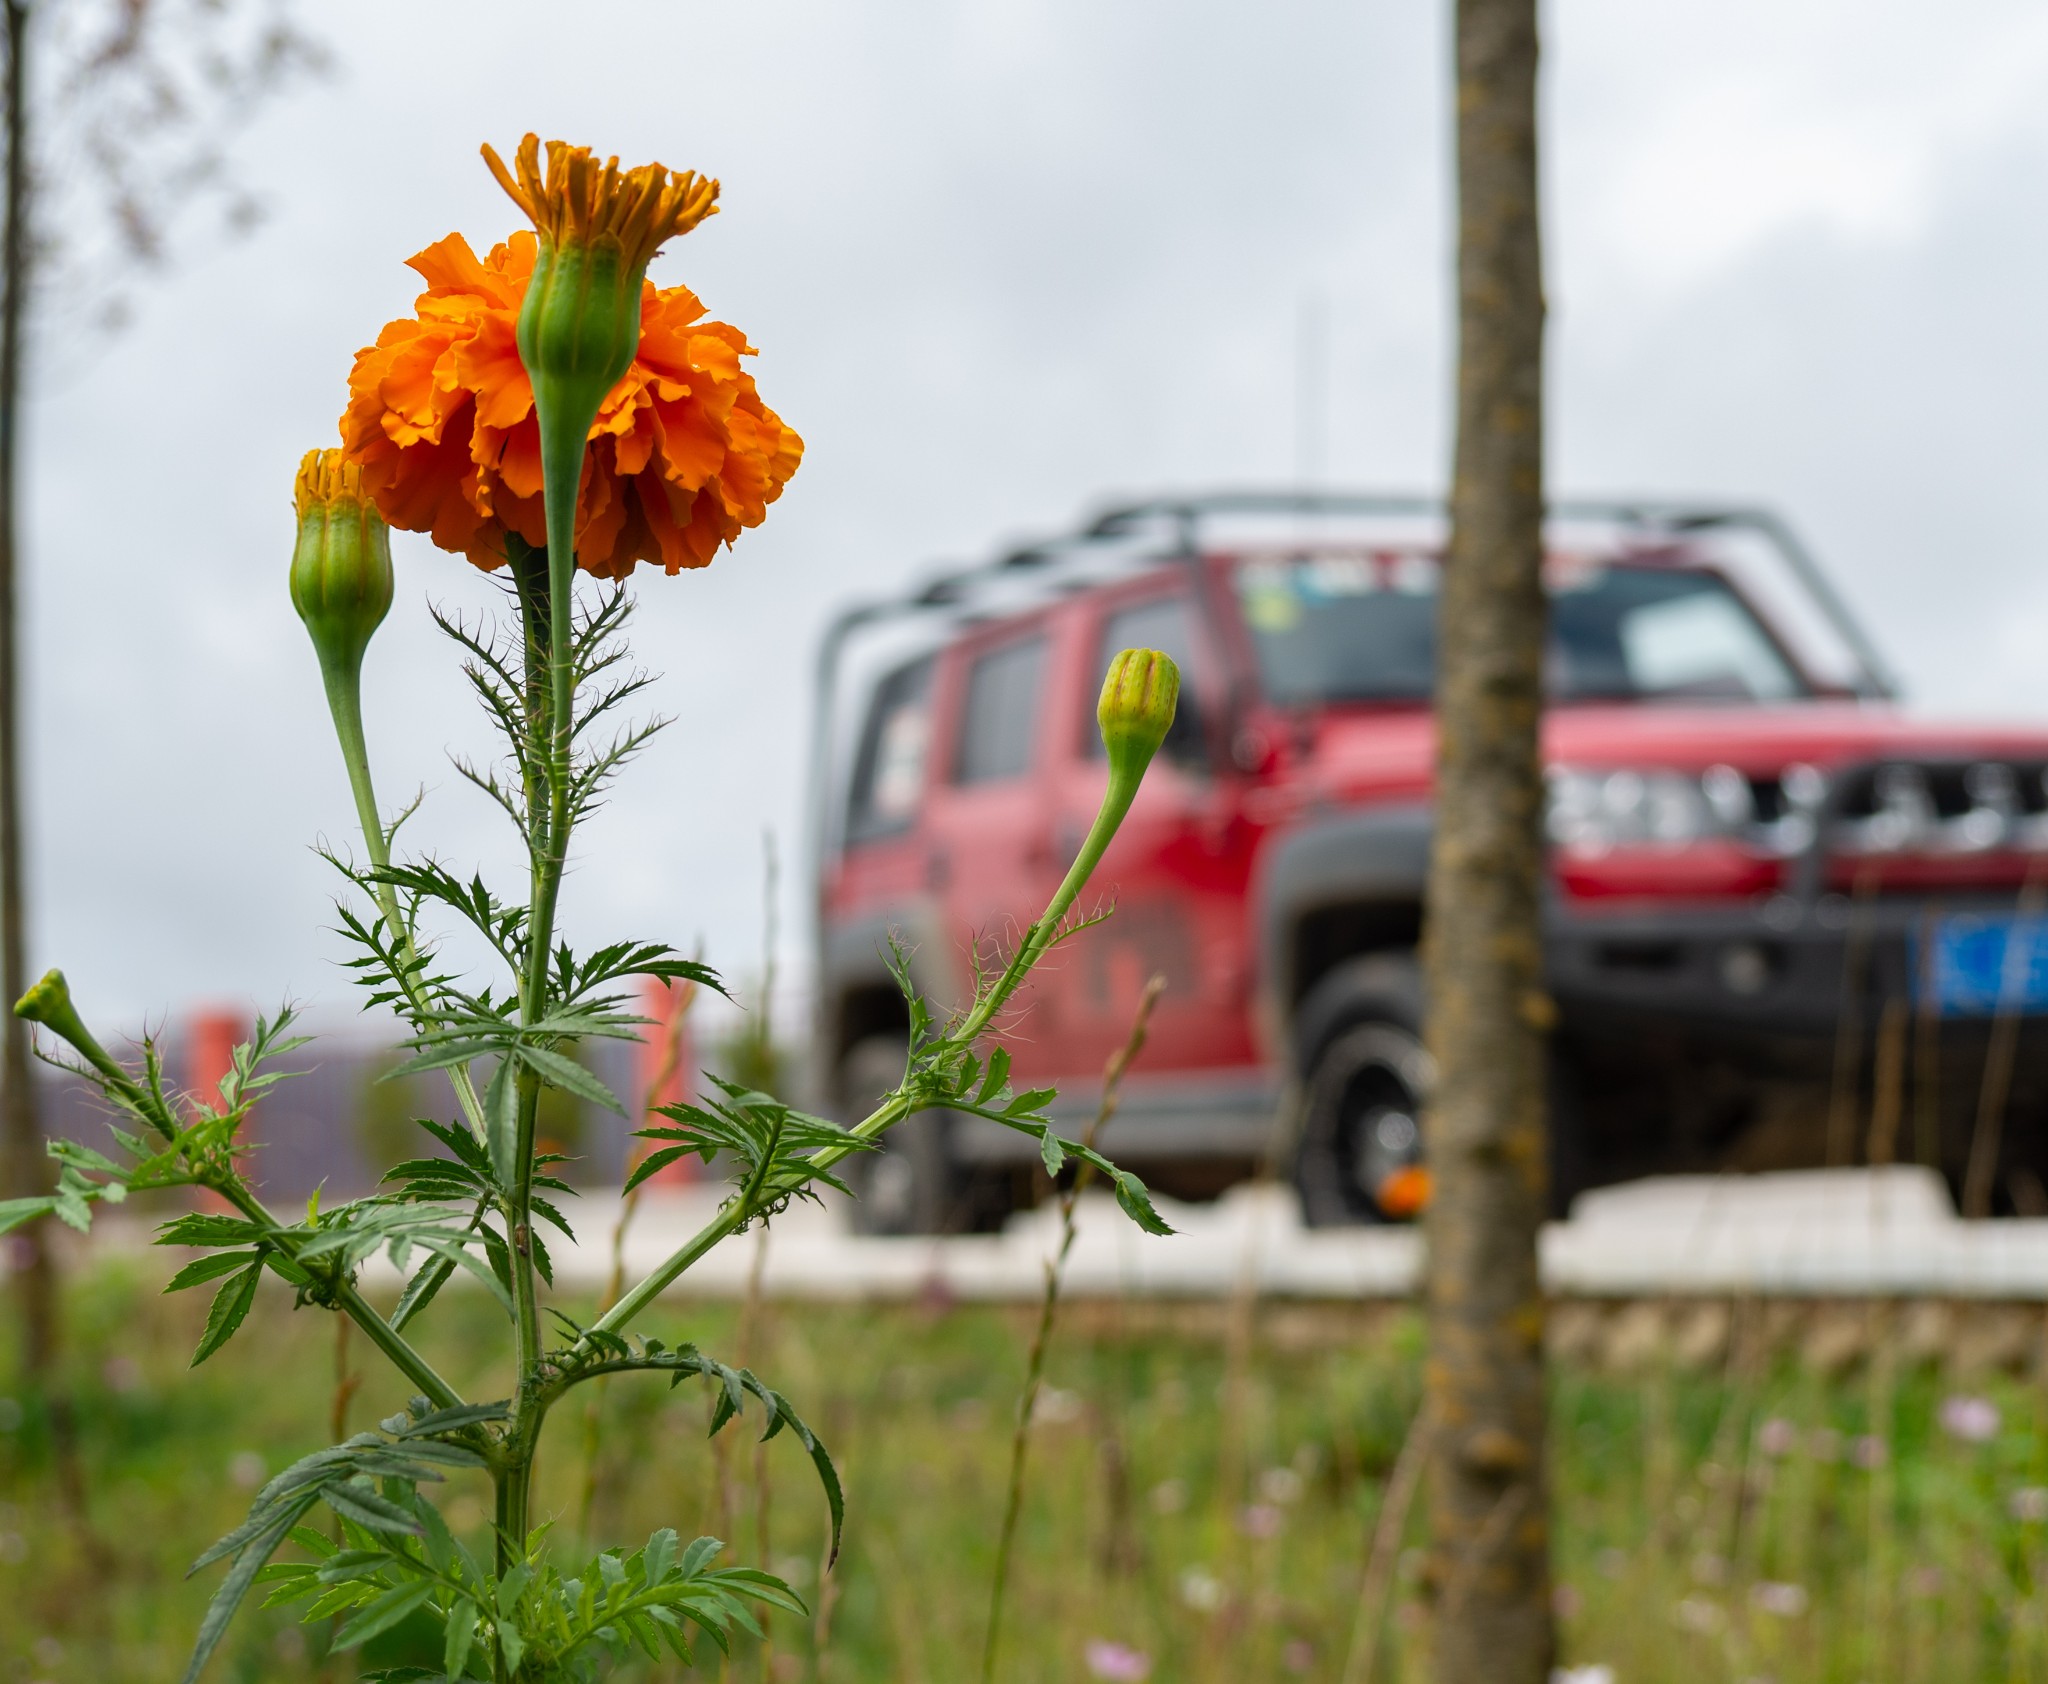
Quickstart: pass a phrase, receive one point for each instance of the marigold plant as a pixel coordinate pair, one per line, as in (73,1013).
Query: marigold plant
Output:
(547,411)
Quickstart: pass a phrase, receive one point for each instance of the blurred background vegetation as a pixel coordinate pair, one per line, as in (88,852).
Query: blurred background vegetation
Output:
(1205,1484)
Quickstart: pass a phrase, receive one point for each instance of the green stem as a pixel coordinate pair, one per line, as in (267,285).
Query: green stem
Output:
(525,1294)
(382,1334)
(345,706)
(562,435)
(1116,802)
(735,1216)
(563,429)
(344,682)
(404,1357)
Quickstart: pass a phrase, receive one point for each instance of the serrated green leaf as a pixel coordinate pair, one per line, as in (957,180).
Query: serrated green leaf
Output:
(14,1212)
(998,1075)
(363,1506)
(565,1073)
(501,1123)
(698,1556)
(347,1566)
(456,1417)
(255,1554)
(204,1228)
(660,1555)
(210,1268)
(443,1055)
(230,1310)
(461,1633)
(420,1291)
(1052,1153)
(1132,1194)
(384,1613)
(655,1162)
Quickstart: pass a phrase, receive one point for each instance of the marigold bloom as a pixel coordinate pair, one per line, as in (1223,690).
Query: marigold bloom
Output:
(579,202)
(683,453)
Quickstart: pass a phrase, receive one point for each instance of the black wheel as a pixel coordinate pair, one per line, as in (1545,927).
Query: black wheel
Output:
(1360,1153)
(1365,1080)
(908,1186)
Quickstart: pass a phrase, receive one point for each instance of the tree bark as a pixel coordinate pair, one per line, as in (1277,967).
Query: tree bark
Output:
(1488,1012)
(27,1169)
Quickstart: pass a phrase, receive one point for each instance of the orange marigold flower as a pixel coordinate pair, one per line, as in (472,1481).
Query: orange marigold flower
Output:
(683,455)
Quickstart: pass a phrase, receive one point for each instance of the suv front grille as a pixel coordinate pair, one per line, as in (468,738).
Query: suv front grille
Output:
(1939,807)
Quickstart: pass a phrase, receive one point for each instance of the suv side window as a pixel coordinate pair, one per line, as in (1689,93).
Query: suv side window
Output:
(1165,623)
(999,723)
(888,771)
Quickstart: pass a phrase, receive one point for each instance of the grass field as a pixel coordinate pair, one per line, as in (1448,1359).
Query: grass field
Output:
(1201,1497)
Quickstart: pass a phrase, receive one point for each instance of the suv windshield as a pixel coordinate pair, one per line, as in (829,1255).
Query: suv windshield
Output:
(1350,627)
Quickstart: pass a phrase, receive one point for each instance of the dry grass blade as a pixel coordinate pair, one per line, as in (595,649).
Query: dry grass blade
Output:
(1391,1522)
(1987,1136)
(1112,1082)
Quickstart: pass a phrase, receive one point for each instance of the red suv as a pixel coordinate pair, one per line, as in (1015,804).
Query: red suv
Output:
(1787,923)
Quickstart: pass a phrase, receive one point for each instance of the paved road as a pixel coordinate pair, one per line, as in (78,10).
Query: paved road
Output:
(1808,1234)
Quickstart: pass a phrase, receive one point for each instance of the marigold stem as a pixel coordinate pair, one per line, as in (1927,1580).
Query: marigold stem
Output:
(344,684)
(1116,802)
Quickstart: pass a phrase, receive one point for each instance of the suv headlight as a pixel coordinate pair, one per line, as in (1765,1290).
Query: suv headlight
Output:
(1592,811)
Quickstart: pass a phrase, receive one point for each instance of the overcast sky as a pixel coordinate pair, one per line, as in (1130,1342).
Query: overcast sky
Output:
(1005,258)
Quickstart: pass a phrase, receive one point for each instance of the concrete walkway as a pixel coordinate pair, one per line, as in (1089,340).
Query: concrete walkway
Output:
(1822,1233)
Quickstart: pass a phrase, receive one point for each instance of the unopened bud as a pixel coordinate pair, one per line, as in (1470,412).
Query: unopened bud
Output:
(1138,698)
(49,1004)
(341,569)
(599,227)
(1136,710)
(47,1001)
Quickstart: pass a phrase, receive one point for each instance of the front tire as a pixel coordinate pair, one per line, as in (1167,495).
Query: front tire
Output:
(1366,1078)
(1360,1155)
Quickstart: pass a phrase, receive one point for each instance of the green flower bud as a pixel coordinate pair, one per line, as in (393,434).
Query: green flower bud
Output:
(1139,694)
(47,1002)
(1138,698)
(341,569)
(579,327)
(341,586)
(599,227)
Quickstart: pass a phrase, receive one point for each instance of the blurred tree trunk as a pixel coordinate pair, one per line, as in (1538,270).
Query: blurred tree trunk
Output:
(21,1135)
(1488,1013)
(141,96)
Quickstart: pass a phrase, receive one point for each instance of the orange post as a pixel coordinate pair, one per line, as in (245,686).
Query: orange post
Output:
(668,1065)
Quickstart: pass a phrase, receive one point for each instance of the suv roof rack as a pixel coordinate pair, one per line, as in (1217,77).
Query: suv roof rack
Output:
(1184,515)
(1664,513)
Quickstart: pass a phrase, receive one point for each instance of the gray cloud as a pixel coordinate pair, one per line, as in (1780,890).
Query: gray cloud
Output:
(1003,260)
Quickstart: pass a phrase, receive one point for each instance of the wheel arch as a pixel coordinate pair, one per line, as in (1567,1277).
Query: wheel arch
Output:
(1334,891)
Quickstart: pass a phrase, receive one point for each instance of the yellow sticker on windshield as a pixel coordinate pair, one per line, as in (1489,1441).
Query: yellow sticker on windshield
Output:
(1272,608)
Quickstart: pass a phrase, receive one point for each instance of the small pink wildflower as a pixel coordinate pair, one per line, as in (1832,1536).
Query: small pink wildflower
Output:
(1260,1520)
(1117,1662)
(1786,1601)
(2029,1503)
(1973,1420)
